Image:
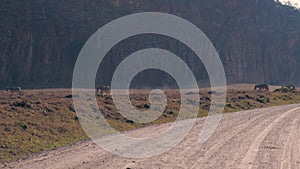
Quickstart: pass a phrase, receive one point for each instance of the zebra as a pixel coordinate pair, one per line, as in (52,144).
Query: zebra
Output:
(261,87)
(14,89)
(103,90)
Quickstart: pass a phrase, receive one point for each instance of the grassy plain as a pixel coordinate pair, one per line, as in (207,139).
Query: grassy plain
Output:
(41,120)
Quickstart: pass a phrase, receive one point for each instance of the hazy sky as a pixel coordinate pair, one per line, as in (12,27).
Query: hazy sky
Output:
(292,1)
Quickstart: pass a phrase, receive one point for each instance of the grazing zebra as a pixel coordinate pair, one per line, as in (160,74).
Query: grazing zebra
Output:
(261,87)
(14,89)
(103,90)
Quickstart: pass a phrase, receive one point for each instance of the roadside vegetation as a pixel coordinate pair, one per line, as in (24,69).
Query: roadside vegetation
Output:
(42,120)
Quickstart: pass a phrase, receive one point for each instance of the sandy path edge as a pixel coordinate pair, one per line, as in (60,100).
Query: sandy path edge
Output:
(242,133)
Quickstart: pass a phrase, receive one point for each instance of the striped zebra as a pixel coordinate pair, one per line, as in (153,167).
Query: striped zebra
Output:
(261,87)
(103,90)
(14,89)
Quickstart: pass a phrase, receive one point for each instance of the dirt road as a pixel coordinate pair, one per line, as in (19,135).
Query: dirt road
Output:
(264,138)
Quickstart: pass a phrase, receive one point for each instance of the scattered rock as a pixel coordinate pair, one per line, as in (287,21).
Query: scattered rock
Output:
(7,129)
(212,92)
(69,96)
(229,105)
(45,113)
(3,146)
(286,89)
(71,108)
(241,97)
(108,108)
(171,113)
(190,93)
(129,121)
(248,97)
(260,100)
(21,104)
(205,99)
(76,118)
(146,106)
(22,125)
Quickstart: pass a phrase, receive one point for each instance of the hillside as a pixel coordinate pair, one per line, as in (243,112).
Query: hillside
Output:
(258,40)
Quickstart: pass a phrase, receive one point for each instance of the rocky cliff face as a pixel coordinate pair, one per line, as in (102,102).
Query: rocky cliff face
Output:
(257,40)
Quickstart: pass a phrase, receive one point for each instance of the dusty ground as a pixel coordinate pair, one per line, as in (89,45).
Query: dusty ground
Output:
(263,138)
(41,120)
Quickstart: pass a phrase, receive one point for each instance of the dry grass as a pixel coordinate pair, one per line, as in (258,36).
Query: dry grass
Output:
(40,120)
(36,121)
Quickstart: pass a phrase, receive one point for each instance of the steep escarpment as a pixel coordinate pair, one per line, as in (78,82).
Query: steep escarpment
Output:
(258,41)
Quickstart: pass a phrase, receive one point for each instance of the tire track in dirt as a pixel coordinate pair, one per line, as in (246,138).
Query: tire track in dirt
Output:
(226,134)
(251,154)
(291,149)
(286,155)
(296,149)
(230,134)
(229,152)
(271,150)
(185,149)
